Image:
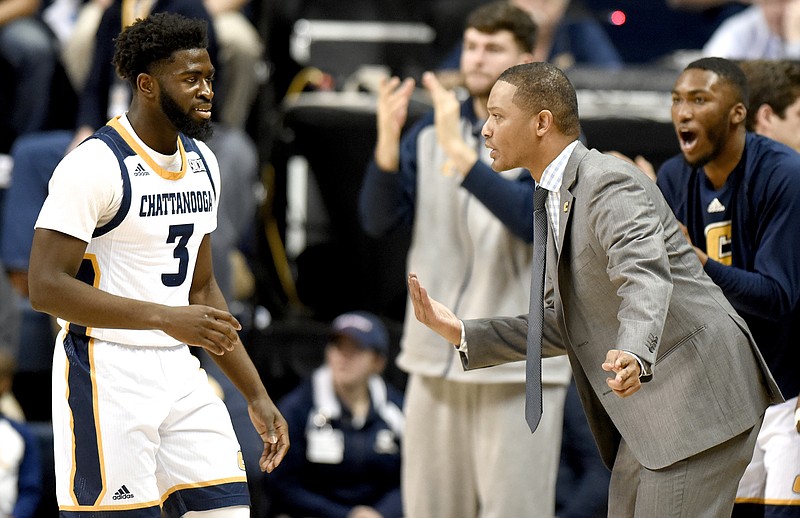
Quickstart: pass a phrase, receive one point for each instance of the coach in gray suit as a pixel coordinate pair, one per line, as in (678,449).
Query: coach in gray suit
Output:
(626,294)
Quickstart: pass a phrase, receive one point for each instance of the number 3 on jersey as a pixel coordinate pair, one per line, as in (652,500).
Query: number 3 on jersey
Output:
(181,234)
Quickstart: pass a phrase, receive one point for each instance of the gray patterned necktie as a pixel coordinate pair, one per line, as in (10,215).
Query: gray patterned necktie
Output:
(533,363)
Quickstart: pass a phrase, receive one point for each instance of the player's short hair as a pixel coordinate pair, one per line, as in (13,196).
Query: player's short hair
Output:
(772,82)
(151,40)
(729,72)
(542,86)
(502,16)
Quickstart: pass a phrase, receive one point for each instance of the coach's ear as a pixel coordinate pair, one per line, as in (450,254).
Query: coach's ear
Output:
(543,122)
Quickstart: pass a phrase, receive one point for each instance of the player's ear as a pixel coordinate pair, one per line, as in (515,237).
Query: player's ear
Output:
(147,85)
(738,113)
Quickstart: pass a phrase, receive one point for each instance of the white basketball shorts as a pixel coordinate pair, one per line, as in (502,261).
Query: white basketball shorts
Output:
(138,428)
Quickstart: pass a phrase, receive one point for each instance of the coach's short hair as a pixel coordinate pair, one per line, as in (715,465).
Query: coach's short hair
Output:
(151,40)
(542,86)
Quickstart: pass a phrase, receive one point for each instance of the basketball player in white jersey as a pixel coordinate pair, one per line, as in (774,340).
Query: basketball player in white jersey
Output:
(122,256)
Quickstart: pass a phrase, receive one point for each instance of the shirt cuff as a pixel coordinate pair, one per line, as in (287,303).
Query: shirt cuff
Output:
(462,346)
(645,368)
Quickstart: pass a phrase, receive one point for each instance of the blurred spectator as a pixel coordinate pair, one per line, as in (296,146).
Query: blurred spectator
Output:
(467,452)
(696,5)
(713,12)
(567,35)
(9,316)
(241,58)
(346,426)
(28,51)
(768,29)
(774,107)
(736,194)
(20,464)
(75,22)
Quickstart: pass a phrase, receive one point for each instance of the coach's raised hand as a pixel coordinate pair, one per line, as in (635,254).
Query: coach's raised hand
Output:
(432,313)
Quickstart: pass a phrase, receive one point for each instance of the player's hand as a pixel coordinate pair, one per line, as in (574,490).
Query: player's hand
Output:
(432,313)
(391,114)
(626,368)
(447,109)
(214,330)
(393,99)
(273,430)
(447,120)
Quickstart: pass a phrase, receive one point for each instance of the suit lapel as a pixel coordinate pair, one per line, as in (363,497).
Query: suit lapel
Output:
(567,198)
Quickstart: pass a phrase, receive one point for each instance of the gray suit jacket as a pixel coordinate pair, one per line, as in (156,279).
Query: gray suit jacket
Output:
(624,277)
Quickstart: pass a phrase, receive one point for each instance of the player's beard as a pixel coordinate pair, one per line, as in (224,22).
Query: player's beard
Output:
(200,130)
(716,137)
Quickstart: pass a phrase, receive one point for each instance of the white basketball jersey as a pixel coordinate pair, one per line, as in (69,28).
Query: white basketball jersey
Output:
(148,249)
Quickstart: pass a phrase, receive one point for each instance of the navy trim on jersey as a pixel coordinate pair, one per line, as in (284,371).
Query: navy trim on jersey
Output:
(190,145)
(86,274)
(121,150)
(88,482)
(206,498)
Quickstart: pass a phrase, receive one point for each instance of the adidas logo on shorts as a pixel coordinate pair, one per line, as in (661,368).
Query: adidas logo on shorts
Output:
(122,494)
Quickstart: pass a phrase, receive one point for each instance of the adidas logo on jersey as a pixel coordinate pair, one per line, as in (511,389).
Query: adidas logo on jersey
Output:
(140,171)
(122,494)
(715,206)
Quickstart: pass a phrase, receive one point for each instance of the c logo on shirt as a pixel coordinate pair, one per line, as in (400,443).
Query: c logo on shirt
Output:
(718,242)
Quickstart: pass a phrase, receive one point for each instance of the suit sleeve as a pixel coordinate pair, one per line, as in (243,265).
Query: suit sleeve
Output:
(626,222)
(497,340)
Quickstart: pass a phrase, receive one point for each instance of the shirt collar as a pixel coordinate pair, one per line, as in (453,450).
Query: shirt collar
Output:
(553,174)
